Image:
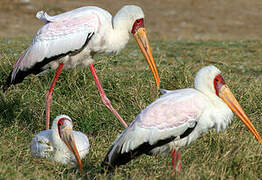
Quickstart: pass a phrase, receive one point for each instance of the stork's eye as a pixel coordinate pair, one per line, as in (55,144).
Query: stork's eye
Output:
(137,24)
(139,21)
(219,79)
(61,122)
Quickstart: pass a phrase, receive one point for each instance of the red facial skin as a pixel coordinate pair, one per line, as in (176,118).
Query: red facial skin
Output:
(218,83)
(60,124)
(137,24)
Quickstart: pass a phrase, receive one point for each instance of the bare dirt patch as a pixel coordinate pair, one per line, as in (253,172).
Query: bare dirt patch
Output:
(165,19)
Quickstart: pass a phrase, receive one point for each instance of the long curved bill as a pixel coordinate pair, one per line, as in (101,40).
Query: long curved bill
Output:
(227,96)
(70,143)
(142,41)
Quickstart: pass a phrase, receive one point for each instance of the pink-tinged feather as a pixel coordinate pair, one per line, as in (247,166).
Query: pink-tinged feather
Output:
(173,110)
(61,34)
(69,25)
(19,60)
(18,64)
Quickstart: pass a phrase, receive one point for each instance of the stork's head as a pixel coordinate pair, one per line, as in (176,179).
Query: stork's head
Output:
(64,125)
(210,82)
(131,17)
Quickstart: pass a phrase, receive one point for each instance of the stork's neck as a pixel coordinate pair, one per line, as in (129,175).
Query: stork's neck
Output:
(117,39)
(56,139)
(119,34)
(220,113)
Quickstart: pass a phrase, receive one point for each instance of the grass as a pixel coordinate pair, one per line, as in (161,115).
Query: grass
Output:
(128,82)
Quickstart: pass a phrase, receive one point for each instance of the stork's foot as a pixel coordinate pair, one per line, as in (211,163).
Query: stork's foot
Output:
(176,162)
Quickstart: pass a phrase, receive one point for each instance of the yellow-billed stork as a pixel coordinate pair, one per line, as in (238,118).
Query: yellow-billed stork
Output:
(72,38)
(178,118)
(60,143)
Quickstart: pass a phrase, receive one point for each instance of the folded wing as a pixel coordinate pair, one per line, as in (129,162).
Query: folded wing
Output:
(172,115)
(61,35)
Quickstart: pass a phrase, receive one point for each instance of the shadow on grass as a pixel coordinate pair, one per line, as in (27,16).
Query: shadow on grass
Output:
(90,171)
(11,110)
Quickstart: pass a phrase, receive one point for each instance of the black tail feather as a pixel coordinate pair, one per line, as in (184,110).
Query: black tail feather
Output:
(117,158)
(39,66)
(18,79)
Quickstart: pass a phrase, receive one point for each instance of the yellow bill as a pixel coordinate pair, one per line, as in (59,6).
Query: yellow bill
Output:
(70,143)
(227,96)
(142,41)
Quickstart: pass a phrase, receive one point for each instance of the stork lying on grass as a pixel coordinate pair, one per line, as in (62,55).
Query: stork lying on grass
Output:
(61,143)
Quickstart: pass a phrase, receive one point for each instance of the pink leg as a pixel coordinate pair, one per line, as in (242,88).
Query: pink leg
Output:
(104,99)
(178,155)
(48,96)
(174,159)
(176,162)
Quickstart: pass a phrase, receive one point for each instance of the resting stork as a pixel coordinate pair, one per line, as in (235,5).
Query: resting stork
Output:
(61,143)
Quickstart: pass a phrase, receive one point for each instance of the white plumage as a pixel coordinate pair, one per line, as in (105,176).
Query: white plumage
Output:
(178,118)
(48,144)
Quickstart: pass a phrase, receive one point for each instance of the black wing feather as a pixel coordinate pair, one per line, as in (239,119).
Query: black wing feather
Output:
(119,158)
(38,67)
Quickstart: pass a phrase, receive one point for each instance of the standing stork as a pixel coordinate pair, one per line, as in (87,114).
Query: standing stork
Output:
(61,143)
(72,38)
(178,118)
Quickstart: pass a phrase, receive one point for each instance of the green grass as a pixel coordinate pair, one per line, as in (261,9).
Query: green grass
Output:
(130,86)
